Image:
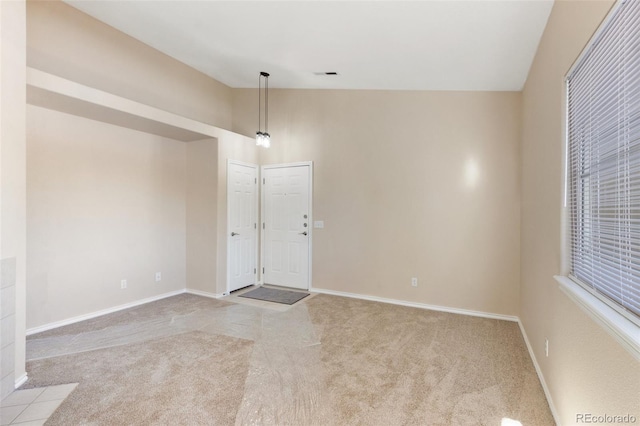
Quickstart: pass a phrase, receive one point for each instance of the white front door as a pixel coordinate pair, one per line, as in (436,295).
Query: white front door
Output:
(242,199)
(287,225)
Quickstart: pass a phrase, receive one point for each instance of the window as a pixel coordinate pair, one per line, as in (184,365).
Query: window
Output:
(603,164)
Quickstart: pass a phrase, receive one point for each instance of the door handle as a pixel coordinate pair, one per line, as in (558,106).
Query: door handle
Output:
(302,233)
(233,234)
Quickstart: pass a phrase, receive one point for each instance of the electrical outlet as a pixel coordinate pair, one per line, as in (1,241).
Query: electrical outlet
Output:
(123,284)
(158,276)
(414,282)
(546,347)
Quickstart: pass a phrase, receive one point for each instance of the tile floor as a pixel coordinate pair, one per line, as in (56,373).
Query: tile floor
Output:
(32,407)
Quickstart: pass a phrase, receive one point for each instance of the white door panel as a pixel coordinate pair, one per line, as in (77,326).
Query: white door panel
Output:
(243,241)
(287,219)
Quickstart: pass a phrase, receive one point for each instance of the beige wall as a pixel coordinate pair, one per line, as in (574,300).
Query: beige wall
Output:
(12,194)
(66,42)
(409,184)
(202,208)
(587,371)
(104,203)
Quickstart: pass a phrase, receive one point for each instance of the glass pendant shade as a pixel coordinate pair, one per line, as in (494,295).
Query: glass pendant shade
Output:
(263,139)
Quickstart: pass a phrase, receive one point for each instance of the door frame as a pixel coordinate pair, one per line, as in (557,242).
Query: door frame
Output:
(262,208)
(228,224)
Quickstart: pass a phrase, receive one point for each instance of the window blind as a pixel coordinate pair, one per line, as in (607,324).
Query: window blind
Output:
(603,163)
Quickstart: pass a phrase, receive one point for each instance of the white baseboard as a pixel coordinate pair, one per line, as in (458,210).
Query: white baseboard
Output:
(204,293)
(419,305)
(20,381)
(547,393)
(91,315)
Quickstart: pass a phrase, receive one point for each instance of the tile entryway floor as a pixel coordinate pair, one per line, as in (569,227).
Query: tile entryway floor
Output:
(32,407)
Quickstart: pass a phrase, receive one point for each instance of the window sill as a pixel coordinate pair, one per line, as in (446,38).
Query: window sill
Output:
(623,330)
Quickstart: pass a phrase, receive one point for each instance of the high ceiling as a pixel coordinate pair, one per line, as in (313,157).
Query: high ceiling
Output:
(389,45)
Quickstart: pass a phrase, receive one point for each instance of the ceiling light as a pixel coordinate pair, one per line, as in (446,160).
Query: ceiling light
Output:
(263,138)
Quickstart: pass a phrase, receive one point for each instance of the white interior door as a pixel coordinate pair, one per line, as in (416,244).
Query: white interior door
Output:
(242,201)
(287,225)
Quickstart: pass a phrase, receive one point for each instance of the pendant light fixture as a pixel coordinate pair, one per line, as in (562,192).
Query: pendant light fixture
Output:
(263,138)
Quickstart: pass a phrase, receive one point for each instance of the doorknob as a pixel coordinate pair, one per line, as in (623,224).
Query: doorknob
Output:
(233,234)
(302,233)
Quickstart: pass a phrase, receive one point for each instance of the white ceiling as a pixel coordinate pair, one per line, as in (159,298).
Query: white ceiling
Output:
(394,45)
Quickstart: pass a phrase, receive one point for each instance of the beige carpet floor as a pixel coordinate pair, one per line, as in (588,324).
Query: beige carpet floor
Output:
(327,360)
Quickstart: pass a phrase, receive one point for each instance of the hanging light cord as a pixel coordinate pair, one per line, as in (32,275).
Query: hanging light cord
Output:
(266,104)
(259,103)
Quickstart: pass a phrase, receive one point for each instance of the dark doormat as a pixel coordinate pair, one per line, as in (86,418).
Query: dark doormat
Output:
(274,295)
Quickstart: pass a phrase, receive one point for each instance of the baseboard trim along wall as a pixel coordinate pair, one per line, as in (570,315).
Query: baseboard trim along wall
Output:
(418,305)
(56,324)
(203,293)
(547,394)
(21,380)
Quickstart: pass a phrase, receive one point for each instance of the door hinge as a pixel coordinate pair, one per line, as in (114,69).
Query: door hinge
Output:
(263,269)
(255,226)
(255,180)
(263,181)
(262,225)
(254,270)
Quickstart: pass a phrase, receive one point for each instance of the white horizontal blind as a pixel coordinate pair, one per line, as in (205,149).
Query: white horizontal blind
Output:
(604,163)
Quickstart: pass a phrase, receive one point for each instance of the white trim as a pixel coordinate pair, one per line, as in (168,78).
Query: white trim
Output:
(565,221)
(545,388)
(258,217)
(310,278)
(261,229)
(310,227)
(204,293)
(73,320)
(242,163)
(620,328)
(280,166)
(468,312)
(20,381)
